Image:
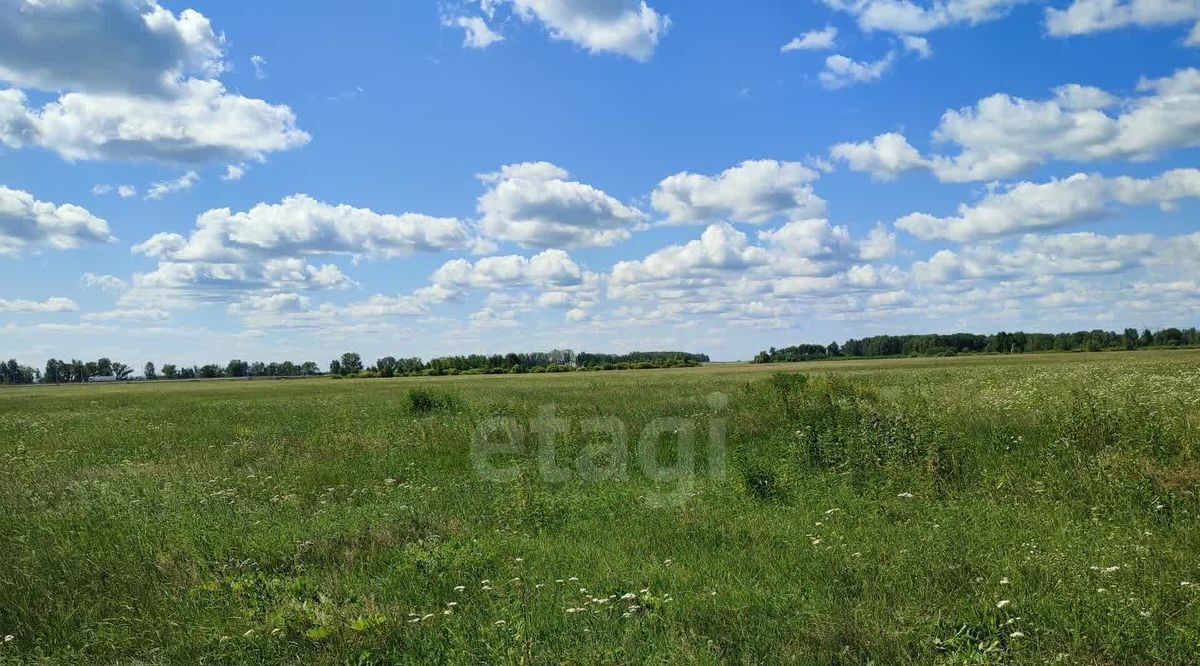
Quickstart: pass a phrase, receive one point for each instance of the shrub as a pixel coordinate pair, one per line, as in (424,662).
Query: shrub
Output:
(425,400)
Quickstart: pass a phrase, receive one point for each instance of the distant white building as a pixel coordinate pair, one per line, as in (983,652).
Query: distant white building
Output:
(103,378)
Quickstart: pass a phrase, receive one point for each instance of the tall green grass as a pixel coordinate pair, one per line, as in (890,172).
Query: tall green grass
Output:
(957,511)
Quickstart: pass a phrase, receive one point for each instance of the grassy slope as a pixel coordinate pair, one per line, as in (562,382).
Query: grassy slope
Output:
(310,521)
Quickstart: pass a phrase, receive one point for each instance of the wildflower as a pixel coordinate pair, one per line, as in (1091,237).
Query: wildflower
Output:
(628,596)
(389,482)
(905,495)
(1109,570)
(447,612)
(10,638)
(486,587)
(426,616)
(459,588)
(499,623)
(1004,581)
(1003,603)
(451,603)
(518,559)
(573,579)
(1016,634)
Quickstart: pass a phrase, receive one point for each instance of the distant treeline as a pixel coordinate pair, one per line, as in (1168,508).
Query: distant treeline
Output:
(558,360)
(952,344)
(351,365)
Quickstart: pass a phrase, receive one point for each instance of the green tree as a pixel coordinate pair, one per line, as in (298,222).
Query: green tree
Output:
(148,372)
(351,363)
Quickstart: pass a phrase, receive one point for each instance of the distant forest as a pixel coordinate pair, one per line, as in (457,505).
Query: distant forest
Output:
(351,364)
(882,346)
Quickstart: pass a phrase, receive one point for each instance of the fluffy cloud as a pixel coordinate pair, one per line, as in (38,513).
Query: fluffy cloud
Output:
(908,17)
(1002,135)
(1082,17)
(1032,206)
(841,72)
(476,32)
(103,282)
(535,205)
(550,268)
(556,278)
(123,191)
(885,157)
(719,248)
(625,27)
(27,223)
(183,284)
(49,305)
(804,268)
(127,69)
(1076,254)
(200,123)
(230,257)
(794,270)
(233,172)
(917,45)
(115,46)
(813,40)
(754,192)
(300,225)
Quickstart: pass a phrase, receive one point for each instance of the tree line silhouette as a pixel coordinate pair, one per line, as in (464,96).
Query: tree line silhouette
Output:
(1019,342)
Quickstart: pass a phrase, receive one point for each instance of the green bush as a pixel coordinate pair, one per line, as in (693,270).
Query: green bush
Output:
(426,400)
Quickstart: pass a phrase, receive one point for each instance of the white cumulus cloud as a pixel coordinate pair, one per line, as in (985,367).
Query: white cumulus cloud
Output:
(26,223)
(1033,206)
(1001,135)
(813,40)
(841,71)
(535,204)
(755,192)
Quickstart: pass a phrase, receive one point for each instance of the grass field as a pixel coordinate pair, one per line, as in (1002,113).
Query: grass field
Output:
(966,510)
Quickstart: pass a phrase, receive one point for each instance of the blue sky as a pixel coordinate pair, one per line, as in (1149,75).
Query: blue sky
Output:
(195,182)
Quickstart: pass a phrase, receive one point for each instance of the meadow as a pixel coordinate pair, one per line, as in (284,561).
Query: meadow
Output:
(1015,509)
